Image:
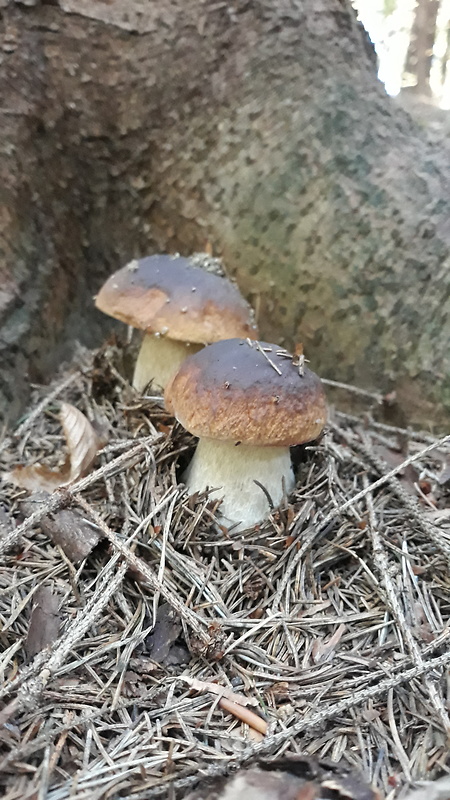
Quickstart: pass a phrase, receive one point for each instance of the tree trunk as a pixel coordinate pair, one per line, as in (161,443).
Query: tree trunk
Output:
(420,51)
(259,127)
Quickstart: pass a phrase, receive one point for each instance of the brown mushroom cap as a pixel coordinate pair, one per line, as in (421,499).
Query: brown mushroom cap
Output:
(230,390)
(171,296)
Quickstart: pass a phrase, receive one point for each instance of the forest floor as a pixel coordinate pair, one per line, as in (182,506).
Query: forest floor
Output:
(326,628)
(433,120)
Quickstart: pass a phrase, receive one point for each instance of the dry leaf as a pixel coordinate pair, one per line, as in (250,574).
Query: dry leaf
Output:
(83,443)
(44,622)
(39,477)
(222,691)
(67,528)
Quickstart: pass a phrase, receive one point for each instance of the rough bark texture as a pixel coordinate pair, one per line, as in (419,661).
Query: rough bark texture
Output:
(260,127)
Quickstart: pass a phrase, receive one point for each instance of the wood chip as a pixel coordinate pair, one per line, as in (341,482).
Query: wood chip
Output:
(66,528)
(44,621)
(160,643)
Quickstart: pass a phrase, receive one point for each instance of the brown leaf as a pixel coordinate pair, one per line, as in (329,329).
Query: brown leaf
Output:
(83,443)
(44,622)
(66,528)
(82,440)
(37,477)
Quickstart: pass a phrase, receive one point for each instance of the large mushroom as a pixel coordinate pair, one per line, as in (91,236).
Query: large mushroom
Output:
(248,402)
(180,305)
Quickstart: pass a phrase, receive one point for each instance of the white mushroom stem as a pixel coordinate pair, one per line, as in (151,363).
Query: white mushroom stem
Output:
(159,359)
(231,470)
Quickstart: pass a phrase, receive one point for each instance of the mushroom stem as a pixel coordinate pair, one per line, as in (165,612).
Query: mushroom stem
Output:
(159,359)
(231,471)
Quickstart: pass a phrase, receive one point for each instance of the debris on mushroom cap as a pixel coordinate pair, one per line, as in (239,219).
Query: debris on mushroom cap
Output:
(208,263)
(247,391)
(153,293)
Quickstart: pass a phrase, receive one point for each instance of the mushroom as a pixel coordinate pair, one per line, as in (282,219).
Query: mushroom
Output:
(181,304)
(248,402)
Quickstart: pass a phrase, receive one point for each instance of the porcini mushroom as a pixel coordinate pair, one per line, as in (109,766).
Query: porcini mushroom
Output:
(248,402)
(181,306)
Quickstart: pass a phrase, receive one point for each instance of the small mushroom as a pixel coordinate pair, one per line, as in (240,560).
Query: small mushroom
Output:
(247,403)
(157,295)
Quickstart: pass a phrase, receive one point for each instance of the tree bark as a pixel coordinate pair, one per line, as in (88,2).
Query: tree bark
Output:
(420,51)
(258,127)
